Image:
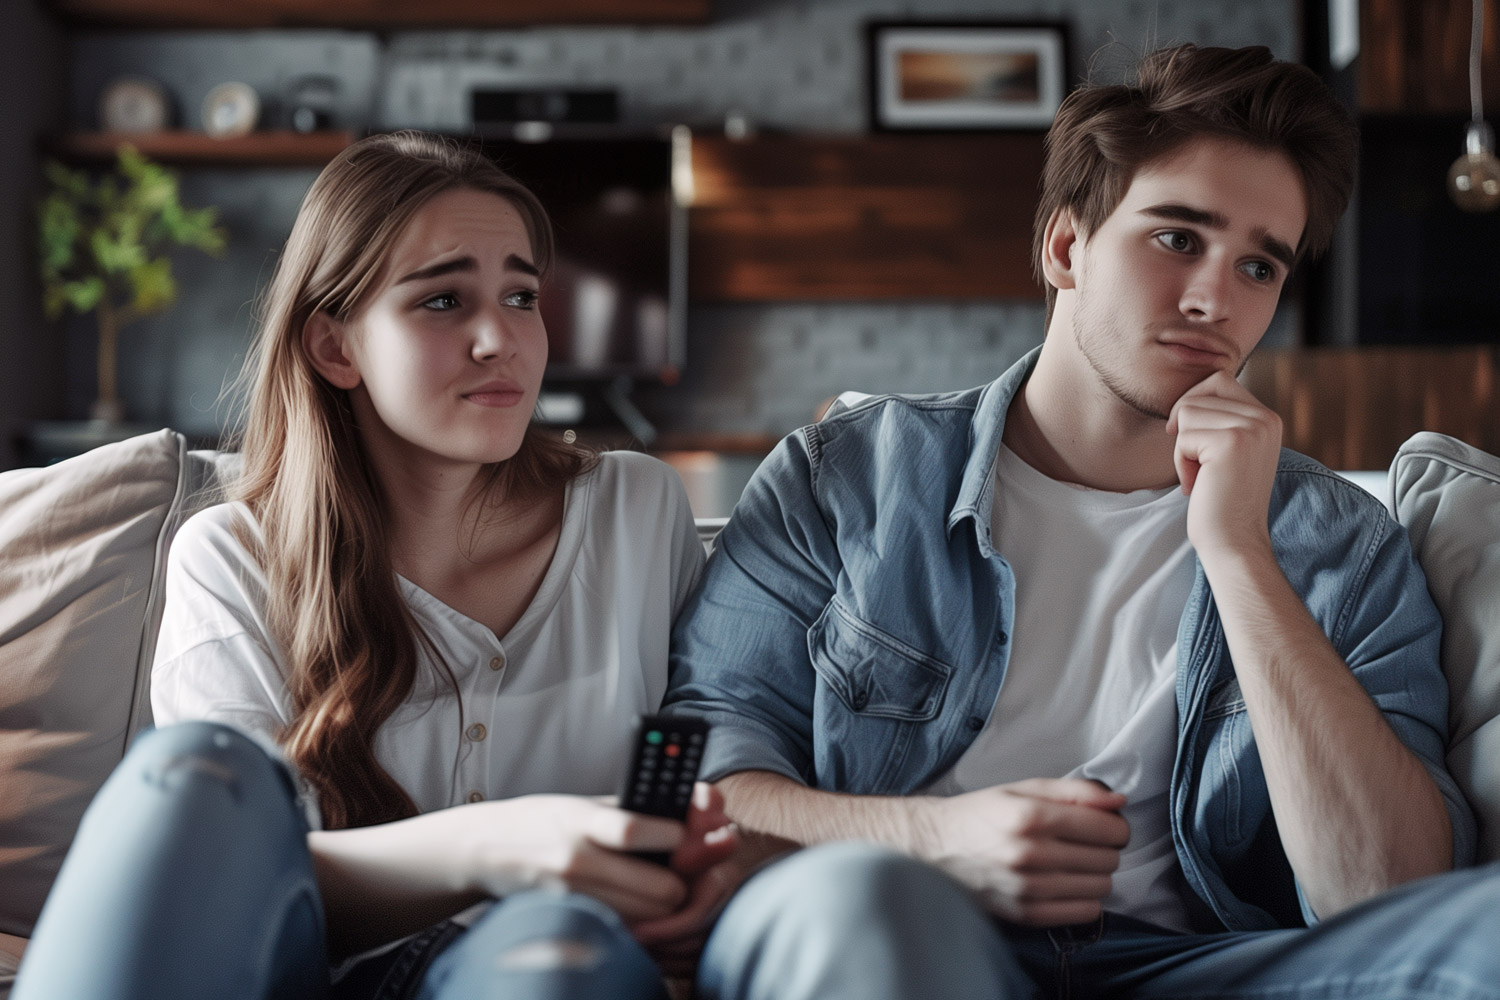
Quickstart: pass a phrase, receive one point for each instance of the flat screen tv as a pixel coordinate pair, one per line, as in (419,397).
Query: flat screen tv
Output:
(614,301)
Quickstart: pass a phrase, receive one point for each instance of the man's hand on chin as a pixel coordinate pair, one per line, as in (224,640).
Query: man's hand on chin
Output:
(1228,445)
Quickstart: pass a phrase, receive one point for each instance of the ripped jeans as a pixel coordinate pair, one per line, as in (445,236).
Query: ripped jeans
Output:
(190,877)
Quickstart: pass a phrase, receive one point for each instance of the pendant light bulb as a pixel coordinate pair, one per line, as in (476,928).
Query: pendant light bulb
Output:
(1474,178)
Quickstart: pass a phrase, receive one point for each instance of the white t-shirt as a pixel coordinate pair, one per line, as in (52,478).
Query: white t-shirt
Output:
(547,708)
(1101,582)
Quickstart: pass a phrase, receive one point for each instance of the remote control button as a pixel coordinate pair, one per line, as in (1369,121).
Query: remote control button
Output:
(696,739)
(672,750)
(653,737)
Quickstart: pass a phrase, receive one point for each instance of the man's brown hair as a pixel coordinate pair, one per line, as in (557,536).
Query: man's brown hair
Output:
(1103,134)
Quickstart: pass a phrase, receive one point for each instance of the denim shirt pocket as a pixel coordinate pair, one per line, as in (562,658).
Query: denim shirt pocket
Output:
(882,690)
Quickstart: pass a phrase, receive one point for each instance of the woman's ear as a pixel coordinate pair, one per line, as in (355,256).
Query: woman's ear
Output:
(325,341)
(1060,244)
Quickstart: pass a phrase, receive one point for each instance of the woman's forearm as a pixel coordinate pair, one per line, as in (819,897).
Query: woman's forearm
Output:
(380,883)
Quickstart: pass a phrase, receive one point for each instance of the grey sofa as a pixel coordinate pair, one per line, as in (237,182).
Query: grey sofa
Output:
(83,547)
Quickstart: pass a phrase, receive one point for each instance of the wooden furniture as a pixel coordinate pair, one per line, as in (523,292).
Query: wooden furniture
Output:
(180,147)
(1351,408)
(789,218)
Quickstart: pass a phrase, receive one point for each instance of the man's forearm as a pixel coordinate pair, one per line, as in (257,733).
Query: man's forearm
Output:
(768,803)
(1356,811)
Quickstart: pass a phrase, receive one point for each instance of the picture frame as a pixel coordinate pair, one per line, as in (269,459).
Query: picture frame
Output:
(965,76)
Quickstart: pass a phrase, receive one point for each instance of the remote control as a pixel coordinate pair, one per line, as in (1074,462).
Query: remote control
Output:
(663,766)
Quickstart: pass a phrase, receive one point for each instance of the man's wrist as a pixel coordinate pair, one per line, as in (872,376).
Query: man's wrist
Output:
(922,826)
(1228,558)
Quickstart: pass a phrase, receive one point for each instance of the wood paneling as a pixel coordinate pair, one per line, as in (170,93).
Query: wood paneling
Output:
(1414,55)
(784,218)
(1351,408)
(378,13)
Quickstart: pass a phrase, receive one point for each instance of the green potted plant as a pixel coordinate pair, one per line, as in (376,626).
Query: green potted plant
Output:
(103,245)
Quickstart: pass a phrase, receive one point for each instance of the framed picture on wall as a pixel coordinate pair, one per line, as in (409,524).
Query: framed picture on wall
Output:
(965,76)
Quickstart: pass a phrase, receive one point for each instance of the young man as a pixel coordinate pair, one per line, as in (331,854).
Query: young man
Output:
(1086,639)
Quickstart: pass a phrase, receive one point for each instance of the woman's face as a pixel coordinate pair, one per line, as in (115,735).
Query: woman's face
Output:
(449,347)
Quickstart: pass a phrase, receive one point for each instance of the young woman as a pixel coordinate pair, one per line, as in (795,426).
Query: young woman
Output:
(445,620)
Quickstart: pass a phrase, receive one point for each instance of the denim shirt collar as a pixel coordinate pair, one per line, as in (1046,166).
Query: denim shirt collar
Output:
(976,492)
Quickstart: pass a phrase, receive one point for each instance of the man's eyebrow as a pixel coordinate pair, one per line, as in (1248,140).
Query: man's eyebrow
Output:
(1174,212)
(1275,248)
(515,262)
(1186,213)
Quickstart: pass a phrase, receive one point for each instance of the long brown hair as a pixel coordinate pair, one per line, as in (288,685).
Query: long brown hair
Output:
(1103,134)
(335,608)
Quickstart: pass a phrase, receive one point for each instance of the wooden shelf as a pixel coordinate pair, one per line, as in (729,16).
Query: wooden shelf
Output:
(779,218)
(788,218)
(277,148)
(377,13)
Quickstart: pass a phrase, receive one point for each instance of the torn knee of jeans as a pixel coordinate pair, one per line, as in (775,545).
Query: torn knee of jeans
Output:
(175,770)
(550,954)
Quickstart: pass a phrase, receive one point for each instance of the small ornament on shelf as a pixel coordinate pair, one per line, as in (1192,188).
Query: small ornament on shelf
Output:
(135,105)
(231,109)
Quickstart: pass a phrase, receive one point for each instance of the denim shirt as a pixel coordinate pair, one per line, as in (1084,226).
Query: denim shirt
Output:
(853,627)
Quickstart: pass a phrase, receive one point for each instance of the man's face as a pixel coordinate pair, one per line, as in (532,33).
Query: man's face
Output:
(1183,277)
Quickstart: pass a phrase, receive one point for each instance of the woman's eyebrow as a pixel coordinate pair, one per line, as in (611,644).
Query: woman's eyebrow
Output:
(515,262)
(458,264)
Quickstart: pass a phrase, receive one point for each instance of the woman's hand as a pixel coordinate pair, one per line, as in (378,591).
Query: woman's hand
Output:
(382,882)
(715,861)
(579,843)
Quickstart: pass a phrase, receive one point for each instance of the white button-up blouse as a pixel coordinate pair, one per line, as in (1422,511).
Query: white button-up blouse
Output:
(548,707)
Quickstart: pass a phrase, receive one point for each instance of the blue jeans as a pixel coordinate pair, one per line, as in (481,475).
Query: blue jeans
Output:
(855,921)
(190,877)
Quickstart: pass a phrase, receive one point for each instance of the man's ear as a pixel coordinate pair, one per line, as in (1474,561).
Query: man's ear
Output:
(1060,244)
(325,341)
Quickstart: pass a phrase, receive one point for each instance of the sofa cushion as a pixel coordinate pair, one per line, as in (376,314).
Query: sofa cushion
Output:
(11,949)
(82,549)
(1447,494)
